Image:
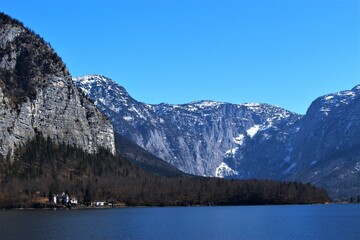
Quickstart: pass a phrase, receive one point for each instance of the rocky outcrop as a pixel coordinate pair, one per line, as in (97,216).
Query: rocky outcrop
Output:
(37,95)
(327,146)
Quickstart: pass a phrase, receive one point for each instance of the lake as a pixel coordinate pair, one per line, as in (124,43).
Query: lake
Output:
(243,222)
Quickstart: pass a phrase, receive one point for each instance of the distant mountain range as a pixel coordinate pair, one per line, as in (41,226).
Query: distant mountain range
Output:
(244,141)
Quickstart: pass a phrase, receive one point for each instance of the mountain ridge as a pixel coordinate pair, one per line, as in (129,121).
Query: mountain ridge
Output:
(171,121)
(249,140)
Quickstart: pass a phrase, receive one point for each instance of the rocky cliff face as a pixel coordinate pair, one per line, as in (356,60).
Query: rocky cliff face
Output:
(330,124)
(243,140)
(37,95)
(211,133)
(195,137)
(327,146)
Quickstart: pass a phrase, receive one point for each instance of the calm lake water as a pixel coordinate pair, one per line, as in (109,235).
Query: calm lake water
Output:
(245,222)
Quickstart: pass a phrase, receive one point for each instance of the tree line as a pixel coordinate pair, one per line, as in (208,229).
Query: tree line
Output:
(42,167)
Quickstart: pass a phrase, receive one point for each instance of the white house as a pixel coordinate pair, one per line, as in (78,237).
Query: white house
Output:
(99,204)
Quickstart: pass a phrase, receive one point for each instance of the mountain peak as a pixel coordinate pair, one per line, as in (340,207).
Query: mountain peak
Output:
(87,82)
(91,78)
(356,88)
(328,104)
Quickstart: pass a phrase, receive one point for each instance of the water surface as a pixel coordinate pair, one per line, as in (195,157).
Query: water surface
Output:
(301,222)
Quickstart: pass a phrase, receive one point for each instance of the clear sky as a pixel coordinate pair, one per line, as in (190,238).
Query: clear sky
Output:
(285,53)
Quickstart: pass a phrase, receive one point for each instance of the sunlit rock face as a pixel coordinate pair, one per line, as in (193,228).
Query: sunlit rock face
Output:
(37,95)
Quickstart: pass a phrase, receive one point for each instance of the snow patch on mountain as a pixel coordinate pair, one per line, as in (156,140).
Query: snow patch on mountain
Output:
(251,132)
(239,140)
(206,104)
(231,152)
(223,170)
(128,118)
(251,105)
(328,98)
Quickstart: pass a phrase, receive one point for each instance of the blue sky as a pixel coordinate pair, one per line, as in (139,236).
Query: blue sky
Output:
(285,53)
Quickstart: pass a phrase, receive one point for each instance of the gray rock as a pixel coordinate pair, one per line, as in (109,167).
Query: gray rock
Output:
(196,137)
(37,95)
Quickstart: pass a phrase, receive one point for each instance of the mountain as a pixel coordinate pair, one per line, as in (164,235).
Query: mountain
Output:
(327,146)
(37,95)
(243,141)
(195,137)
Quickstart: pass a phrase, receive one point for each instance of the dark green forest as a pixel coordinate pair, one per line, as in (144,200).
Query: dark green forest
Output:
(41,168)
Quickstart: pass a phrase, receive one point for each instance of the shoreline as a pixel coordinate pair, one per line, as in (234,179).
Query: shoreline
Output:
(61,208)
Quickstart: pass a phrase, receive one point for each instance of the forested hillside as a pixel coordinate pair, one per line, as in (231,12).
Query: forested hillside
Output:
(42,167)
